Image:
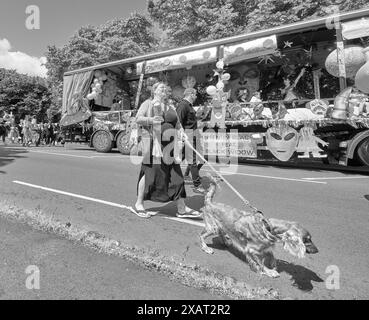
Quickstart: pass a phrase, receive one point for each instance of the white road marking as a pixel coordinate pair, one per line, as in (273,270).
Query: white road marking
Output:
(61,154)
(267,177)
(112,204)
(193,222)
(336,178)
(77,156)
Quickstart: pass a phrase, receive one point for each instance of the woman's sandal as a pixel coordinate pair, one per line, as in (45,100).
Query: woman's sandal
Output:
(141,213)
(189,214)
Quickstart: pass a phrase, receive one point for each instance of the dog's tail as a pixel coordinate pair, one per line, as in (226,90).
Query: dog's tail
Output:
(211,191)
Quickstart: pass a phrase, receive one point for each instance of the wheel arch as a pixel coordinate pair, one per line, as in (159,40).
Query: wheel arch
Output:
(355,142)
(118,133)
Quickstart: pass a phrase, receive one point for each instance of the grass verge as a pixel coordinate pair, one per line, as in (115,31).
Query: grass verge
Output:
(190,275)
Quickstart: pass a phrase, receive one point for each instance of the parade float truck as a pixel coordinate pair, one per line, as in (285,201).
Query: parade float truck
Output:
(295,93)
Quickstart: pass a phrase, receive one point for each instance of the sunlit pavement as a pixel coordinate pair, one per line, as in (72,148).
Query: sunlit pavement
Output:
(332,205)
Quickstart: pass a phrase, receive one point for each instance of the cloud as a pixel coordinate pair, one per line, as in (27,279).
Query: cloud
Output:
(21,62)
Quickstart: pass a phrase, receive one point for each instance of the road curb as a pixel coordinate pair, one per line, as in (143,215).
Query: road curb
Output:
(190,275)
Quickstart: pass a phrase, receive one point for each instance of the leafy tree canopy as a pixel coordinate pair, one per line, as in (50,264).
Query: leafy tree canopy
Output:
(116,39)
(273,13)
(191,21)
(23,95)
(90,45)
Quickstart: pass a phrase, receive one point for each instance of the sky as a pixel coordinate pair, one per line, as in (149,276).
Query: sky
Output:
(23,49)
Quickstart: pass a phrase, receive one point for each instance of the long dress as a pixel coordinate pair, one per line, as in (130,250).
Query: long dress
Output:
(163,182)
(26,131)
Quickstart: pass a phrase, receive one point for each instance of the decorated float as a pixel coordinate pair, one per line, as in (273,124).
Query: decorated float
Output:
(299,92)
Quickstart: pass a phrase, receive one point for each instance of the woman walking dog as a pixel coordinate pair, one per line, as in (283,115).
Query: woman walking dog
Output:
(159,180)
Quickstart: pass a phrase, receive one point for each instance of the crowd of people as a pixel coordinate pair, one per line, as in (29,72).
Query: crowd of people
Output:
(28,132)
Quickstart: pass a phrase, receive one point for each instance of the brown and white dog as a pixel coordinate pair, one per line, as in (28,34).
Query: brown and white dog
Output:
(253,235)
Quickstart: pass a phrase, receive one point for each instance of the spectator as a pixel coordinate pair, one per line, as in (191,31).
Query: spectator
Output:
(187,117)
(3,130)
(49,134)
(26,131)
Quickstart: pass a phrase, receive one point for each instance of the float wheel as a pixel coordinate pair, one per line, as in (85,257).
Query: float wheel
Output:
(123,143)
(102,141)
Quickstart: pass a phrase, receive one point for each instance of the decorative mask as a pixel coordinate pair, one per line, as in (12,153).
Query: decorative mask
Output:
(243,76)
(282,142)
(188,82)
(318,107)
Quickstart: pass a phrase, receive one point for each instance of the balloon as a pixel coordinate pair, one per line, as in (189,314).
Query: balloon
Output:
(96,81)
(220,64)
(362,76)
(354,60)
(220,85)
(91,96)
(226,77)
(98,86)
(211,90)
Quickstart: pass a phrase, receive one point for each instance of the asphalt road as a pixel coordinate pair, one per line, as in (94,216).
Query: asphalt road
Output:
(68,271)
(91,190)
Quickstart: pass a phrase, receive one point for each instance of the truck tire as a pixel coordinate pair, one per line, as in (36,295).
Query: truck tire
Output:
(102,141)
(123,143)
(363,152)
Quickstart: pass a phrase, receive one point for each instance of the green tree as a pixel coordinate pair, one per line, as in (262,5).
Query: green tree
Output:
(23,95)
(116,39)
(187,22)
(273,13)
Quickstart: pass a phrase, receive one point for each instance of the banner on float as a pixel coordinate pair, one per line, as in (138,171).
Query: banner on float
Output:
(229,145)
(250,49)
(178,61)
(355,29)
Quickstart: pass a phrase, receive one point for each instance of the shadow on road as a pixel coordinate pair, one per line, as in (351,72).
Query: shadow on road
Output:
(366,197)
(195,202)
(8,155)
(301,276)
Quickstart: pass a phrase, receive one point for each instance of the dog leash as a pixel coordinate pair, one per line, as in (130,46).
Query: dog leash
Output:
(246,202)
